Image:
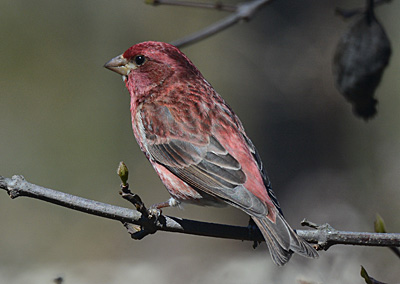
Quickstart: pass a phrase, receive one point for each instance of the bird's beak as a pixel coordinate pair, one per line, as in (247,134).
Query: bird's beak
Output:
(119,64)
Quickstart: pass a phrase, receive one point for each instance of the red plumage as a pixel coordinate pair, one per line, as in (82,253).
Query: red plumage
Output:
(197,144)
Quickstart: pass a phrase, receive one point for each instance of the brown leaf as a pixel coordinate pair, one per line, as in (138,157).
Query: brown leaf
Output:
(361,56)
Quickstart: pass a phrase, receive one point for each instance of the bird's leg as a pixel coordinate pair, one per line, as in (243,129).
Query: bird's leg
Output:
(155,209)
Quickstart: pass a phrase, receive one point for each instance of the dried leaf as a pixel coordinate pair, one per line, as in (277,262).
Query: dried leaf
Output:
(361,56)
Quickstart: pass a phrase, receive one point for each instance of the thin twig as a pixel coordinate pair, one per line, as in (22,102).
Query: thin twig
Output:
(325,236)
(215,6)
(242,11)
(207,32)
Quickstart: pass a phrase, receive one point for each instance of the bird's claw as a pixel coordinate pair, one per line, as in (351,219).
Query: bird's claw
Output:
(154,212)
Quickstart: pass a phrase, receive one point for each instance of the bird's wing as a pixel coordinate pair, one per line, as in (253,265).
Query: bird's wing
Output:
(262,170)
(196,156)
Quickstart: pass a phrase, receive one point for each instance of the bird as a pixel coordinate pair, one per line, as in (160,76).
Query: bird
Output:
(198,145)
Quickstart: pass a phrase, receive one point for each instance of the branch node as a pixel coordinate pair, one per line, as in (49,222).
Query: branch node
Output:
(134,199)
(149,219)
(324,242)
(149,225)
(246,10)
(325,231)
(13,188)
(307,223)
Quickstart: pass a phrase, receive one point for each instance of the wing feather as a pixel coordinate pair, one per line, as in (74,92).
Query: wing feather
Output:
(195,155)
(218,170)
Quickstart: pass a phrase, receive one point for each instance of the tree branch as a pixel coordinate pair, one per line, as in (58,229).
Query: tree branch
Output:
(214,6)
(242,11)
(324,236)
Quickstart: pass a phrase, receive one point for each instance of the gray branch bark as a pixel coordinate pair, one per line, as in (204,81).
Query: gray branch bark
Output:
(324,236)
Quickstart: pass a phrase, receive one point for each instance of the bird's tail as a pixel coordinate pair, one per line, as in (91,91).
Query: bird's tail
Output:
(282,240)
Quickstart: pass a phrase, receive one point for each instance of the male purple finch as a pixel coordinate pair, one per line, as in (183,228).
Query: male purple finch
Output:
(196,143)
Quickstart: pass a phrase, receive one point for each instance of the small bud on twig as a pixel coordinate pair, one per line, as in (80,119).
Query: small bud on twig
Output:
(123,173)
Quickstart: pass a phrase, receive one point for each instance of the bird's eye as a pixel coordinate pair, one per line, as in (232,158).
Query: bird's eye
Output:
(139,59)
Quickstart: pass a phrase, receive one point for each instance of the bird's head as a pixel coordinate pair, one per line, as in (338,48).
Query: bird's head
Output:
(150,64)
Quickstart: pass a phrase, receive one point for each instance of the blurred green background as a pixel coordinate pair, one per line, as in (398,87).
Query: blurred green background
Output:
(65,124)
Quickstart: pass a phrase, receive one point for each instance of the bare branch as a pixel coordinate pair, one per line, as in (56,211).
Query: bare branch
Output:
(18,186)
(214,6)
(243,11)
(324,236)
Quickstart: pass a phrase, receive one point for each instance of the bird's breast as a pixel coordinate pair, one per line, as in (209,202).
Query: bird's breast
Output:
(138,129)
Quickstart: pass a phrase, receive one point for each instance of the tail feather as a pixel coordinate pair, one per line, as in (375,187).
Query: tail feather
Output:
(282,241)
